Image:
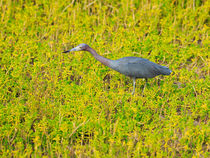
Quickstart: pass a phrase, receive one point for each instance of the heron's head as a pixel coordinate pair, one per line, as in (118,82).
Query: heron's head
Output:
(80,47)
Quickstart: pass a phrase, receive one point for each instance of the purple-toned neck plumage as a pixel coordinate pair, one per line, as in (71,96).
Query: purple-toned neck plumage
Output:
(102,59)
(85,47)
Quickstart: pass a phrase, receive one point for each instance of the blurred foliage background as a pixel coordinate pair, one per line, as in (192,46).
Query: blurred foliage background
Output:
(70,105)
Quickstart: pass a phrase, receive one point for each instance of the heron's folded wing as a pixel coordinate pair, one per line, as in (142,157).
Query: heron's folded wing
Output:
(143,68)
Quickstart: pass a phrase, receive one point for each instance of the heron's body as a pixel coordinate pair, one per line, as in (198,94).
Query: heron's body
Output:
(136,67)
(133,67)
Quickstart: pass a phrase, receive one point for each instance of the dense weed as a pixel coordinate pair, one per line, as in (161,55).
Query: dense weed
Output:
(59,105)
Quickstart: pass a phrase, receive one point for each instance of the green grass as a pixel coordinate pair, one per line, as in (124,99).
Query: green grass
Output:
(62,105)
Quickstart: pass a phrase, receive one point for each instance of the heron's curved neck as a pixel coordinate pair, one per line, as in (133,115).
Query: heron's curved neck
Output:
(103,60)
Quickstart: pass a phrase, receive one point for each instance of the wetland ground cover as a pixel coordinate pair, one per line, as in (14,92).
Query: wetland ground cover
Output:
(70,105)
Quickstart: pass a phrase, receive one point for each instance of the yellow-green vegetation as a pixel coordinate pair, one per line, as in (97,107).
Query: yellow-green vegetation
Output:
(62,105)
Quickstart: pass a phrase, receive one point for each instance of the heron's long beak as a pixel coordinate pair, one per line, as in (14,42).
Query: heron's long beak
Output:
(66,51)
(73,49)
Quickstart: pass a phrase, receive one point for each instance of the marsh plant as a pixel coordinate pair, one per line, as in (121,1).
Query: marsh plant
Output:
(70,105)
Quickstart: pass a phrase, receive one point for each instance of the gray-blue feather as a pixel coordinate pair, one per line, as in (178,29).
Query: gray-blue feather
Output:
(139,67)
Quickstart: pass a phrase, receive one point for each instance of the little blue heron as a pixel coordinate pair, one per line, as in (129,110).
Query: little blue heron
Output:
(133,67)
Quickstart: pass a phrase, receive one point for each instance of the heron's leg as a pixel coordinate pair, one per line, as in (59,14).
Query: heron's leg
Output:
(145,84)
(134,85)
